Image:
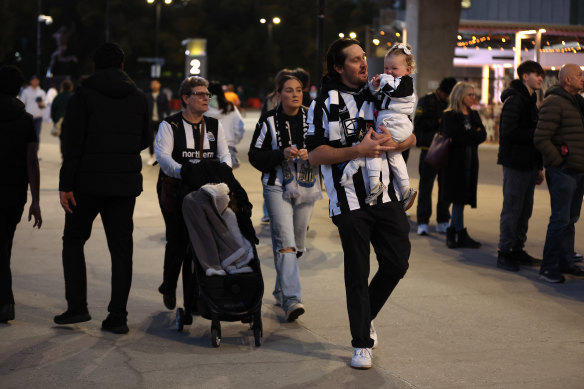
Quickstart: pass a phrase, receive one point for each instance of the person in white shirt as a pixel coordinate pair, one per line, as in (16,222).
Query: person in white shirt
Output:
(34,99)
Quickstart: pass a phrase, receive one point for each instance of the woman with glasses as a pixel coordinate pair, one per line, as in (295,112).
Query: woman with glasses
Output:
(185,137)
(290,187)
(464,127)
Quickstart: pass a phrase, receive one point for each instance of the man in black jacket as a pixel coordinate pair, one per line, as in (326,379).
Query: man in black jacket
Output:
(107,127)
(426,124)
(522,164)
(19,167)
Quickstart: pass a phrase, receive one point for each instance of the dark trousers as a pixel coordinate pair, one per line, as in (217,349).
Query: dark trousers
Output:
(153,130)
(175,253)
(386,227)
(566,190)
(518,190)
(116,215)
(428,174)
(9,218)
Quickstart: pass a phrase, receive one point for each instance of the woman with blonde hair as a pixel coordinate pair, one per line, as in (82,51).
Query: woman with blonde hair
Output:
(464,127)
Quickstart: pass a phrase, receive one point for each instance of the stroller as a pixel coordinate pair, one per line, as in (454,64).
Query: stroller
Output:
(230,297)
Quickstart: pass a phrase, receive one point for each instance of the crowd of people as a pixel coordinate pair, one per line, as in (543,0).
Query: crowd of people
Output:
(350,136)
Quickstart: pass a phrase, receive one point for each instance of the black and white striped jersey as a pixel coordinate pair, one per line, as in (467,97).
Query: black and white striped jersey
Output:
(339,118)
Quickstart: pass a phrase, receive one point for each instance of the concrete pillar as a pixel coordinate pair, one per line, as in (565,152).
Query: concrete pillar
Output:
(431,31)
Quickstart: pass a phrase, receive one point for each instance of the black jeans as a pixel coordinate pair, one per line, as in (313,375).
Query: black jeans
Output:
(9,218)
(386,227)
(117,217)
(428,174)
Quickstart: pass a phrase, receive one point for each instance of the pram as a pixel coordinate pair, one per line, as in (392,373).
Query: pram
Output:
(231,297)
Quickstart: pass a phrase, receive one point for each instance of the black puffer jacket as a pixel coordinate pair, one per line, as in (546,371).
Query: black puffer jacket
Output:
(518,122)
(107,127)
(561,126)
(16,131)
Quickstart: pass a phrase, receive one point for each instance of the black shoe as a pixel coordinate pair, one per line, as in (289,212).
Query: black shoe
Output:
(573,270)
(551,276)
(451,238)
(506,261)
(465,241)
(71,317)
(169,301)
(523,258)
(117,326)
(6,313)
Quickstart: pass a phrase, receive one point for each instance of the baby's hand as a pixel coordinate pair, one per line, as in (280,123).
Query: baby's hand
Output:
(375,81)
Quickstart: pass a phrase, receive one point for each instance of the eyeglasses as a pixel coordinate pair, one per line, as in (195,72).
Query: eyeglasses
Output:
(200,95)
(473,95)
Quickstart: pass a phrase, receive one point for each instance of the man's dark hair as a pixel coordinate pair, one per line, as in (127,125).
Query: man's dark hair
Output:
(302,75)
(447,84)
(529,67)
(108,55)
(335,55)
(11,80)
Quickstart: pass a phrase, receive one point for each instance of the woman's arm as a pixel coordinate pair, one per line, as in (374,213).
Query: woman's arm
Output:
(163,146)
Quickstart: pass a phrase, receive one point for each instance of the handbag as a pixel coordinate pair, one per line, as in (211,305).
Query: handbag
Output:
(437,155)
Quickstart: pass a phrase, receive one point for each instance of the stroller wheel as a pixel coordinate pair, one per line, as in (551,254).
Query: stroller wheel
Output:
(180,319)
(216,334)
(257,334)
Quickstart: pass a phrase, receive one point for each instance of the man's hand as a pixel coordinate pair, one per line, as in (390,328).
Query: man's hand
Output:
(67,200)
(393,145)
(372,145)
(540,178)
(35,210)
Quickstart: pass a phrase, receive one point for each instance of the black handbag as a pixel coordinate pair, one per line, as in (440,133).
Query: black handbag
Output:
(437,155)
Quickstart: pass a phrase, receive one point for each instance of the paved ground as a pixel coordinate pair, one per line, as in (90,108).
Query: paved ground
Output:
(455,321)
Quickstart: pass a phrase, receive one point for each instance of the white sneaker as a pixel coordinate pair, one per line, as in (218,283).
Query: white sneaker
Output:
(408,198)
(294,311)
(151,161)
(373,335)
(423,229)
(442,227)
(361,358)
(375,192)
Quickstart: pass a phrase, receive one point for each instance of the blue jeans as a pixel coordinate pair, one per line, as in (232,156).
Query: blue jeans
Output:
(288,223)
(566,190)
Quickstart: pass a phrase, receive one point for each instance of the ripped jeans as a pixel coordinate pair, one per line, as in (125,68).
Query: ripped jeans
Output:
(288,224)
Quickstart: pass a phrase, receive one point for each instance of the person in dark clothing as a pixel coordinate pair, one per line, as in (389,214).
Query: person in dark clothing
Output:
(20,168)
(426,124)
(158,109)
(559,137)
(107,127)
(58,108)
(463,125)
(522,164)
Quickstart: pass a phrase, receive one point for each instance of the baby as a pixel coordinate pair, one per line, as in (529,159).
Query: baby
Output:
(395,101)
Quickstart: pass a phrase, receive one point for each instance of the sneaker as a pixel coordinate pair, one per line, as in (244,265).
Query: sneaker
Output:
(442,227)
(423,229)
(265,220)
(573,270)
(523,258)
(408,198)
(373,335)
(375,192)
(577,257)
(294,311)
(506,261)
(117,326)
(151,161)
(71,317)
(361,358)
(551,276)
